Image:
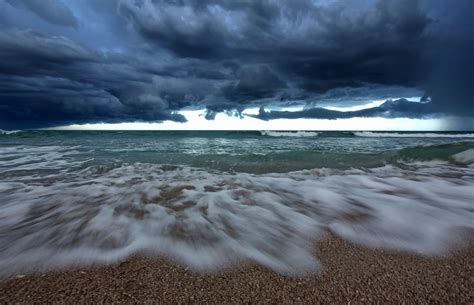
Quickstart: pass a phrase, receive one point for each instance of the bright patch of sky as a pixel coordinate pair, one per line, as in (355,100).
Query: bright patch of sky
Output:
(197,121)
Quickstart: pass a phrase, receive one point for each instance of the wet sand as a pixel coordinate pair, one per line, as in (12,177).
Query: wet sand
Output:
(350,273)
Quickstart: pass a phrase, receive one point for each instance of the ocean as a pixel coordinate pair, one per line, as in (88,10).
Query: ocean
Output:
(211,199)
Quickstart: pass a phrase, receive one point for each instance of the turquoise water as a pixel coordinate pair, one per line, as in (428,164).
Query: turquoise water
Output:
(254,151)
(212,199)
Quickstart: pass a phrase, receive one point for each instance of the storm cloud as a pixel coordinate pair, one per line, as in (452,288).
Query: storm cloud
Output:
(66,62)
(401,108)
(54,11)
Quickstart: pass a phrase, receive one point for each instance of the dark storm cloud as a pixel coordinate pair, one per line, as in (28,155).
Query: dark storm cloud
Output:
(323,45)
(254,82)
(143,60)
(22,51)
(319,46)
(400,108)
(54,11)
(48,101)
(451,56)
(36,93)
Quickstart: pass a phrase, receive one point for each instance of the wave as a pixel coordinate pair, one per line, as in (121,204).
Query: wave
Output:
(211,219)
(298,134)
(457,152)
(9,132)
(21,158)
(465,157)
(369,134)
(235,134)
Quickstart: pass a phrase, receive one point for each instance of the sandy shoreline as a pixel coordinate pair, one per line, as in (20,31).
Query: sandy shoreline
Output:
(350,273)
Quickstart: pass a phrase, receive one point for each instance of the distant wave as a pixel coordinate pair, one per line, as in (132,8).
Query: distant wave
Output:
(298,134)
(369,134)
(8,132)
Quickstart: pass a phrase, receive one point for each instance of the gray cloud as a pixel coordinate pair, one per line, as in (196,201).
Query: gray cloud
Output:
(54,11)
(400,108)
(144,60)
(20,46)
(254,82)
(97,88)
(450,82)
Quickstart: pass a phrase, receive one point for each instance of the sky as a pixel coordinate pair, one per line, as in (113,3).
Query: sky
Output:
(241,64)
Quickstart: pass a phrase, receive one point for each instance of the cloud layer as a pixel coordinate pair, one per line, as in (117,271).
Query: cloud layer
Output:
(401,108)
(64,62)
(53,11)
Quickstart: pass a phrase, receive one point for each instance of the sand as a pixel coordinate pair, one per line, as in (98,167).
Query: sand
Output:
(351,273)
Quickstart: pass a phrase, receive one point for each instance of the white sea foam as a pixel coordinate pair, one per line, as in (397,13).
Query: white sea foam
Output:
(208,220)
(465,157)
(23,158)
(369,134)
(298,134)
(8,132)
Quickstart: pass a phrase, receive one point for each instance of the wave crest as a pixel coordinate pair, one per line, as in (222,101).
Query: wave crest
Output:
(8,132)
(298,134)
(370,134)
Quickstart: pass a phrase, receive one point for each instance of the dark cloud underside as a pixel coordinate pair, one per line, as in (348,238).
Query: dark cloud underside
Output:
(390,109)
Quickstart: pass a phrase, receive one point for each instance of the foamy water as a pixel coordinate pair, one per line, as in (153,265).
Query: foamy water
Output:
(209,219)
(370,134)
(210,200)
(298,134)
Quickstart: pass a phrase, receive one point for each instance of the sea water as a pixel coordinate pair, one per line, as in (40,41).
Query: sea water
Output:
(210,199)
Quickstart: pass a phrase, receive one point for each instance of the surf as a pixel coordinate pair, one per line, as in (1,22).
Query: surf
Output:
(370,134)
(209,220)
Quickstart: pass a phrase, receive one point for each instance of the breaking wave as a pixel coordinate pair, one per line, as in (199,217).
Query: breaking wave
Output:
(298,134)
(366,134)
(370,134)
(8,132)
(465,157)
(206,219)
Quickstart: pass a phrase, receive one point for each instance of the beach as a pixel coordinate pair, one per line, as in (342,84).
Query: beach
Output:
(350,273)
(236,217)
